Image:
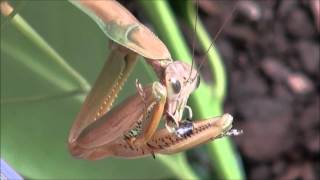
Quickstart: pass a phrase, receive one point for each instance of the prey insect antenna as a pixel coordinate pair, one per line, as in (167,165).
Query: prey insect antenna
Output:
(193,37)
(217,35)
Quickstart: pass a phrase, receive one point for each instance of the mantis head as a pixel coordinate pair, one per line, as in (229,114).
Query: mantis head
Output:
(180,80)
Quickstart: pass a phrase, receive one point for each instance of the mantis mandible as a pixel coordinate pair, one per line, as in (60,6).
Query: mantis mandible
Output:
(130,130)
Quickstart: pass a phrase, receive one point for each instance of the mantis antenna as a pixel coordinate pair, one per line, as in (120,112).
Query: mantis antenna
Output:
(193,37)
(217,35)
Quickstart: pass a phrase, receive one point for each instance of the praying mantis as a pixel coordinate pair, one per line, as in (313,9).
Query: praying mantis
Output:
(131,130)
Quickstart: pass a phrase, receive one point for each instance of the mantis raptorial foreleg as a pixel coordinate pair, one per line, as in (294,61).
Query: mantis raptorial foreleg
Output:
(165,142)
(101,124)
(124,122)
(119,64)
(151,116)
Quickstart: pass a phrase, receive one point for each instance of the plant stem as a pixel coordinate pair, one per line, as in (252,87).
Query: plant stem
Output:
(23,26)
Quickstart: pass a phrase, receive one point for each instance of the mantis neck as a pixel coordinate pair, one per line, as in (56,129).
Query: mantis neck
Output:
(159,66)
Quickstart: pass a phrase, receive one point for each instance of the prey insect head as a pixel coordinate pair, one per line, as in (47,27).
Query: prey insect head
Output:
(185,128)
(180,84)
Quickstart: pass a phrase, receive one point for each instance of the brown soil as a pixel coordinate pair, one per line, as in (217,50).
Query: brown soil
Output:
(271,50)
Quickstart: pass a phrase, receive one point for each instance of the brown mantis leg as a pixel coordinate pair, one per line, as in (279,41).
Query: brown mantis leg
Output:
(150,124)
(116,123)
(151,119)
(96,125)
(120,63)
(164,142)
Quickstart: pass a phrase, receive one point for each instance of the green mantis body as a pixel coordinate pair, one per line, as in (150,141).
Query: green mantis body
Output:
(130,130)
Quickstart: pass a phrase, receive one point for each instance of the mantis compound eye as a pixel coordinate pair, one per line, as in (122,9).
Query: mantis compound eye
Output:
(175,85)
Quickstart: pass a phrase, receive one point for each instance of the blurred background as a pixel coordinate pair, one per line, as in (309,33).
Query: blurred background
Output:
(270,50)
(271,54)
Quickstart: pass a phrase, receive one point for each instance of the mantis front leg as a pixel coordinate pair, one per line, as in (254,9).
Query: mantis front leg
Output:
(165,142)
(126,121)
(97,126)
(100,99)
(152,113)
